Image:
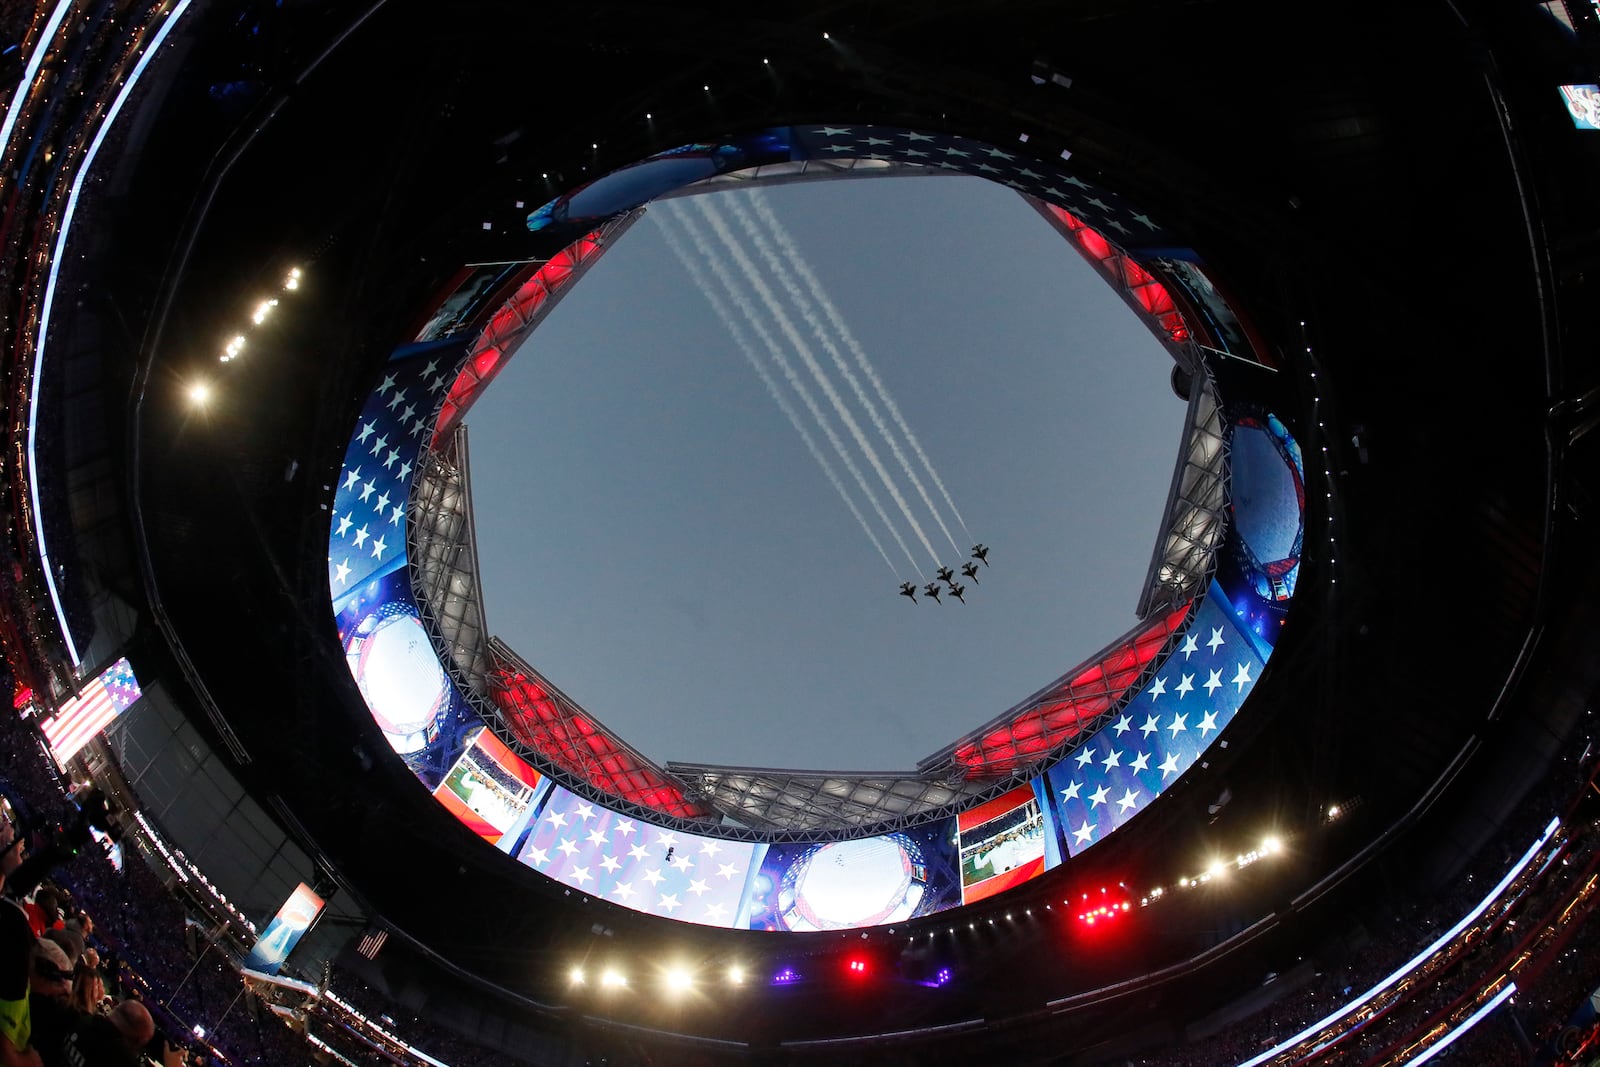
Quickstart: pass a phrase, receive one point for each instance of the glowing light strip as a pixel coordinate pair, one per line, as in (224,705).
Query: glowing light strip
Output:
(1449,935)
(25,86)
(50,291)
(1472,1020)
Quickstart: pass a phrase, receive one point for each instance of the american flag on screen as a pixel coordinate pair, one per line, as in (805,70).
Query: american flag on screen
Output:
(367,538)
(1115,774)
(78,720)
(647,868)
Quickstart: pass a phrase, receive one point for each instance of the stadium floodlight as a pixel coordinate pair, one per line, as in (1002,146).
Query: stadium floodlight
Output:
(735,975)
(199,394)
(262,310)
(613,979)
(678,979)
(1271,846)
(575,976)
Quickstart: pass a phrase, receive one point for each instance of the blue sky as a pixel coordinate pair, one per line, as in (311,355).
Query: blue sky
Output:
(655,537)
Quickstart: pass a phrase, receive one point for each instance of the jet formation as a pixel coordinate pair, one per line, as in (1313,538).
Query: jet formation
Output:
(947,575)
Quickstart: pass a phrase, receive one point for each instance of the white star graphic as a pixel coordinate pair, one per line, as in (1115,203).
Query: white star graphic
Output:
(432,366)
(624,827)
(361,536)
(387,383)
(341,573)
(1116,224)
(612,864)
(1191,645)
(1026,173)
(366,432)
(1128,800)
(352,478)
(914,136)
(915,153)
(568,846)
(1208,722)
(1144,220)
(995,153)
(1071,791)
(698,887)
(654,876)
(876,141)
(391,459)
(383,502)
(835,131)
(382,443)
(1242,678)
(1141,762)
(987,169)
(408,411)
(344,524)
(638,852)
(1214,682)
(1098,797)
(539,856)
(1078,182)
(728,870)
(378,548)
(1157,688)
(956,152)
(669,902)
(714,911)
(1216,641)
(1095,201)
(1169,765)
(624,890)
(1086,756)
(581,875)
(666,838)
(584,810)
(596,837)
(394,401)
(1150,725)
(367,489)
(1185,685)
(841,148)
(1084,832)
(395,513)
(709,847)
(1177,727)
(405,469)
(1114,759)
(1123,725)
(558,818)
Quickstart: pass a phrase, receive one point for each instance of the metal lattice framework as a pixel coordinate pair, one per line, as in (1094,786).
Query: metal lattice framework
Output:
(794,172)
(794,800)
(443,557)
(1195,518)
(551,724)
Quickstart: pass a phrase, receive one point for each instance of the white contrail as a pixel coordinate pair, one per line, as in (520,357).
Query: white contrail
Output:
(740,339)
(775,350)
(808,312)
(775,309)
(804,270)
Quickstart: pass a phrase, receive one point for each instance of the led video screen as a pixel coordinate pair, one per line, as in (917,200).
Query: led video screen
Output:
(283,933)
(491,789)
(1583,105)
(1004,843)
(81,718)
(469,301)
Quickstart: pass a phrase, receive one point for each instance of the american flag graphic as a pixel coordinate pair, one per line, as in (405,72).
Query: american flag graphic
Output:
(1193,696)
(647,868)
(78,720)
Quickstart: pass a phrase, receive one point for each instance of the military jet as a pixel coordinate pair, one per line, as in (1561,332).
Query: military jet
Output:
(945,575)
(907,589)
(956,590)
(932,589)
(970,570)
(981,554)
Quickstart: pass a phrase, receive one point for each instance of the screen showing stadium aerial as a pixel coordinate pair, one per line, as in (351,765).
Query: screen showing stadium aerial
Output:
(1003,843)
(1149,734)
(490,789)
(872,881)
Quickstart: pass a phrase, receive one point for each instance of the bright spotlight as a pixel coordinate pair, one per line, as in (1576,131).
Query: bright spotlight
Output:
(1217,869)
(575,976)
(1333,811)
(857,967)
(613,979)
(825,37)
(262,310)
(1271,846)
(736,975)
(199,394)
(679,980)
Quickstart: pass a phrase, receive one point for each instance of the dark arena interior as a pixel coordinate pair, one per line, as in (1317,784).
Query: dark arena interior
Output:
(1365,233)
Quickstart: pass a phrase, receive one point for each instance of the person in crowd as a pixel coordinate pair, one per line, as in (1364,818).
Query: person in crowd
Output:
(44,911)
(88,988)
(50,989)
(114,1040)
(16,959)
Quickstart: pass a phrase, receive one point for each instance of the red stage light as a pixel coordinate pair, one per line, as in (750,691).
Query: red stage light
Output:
(857,967)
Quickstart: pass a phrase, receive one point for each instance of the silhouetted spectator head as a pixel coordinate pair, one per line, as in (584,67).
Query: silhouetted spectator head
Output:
(52,971)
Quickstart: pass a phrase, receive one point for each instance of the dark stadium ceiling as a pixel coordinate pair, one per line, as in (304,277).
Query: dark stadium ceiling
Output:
(1364,226)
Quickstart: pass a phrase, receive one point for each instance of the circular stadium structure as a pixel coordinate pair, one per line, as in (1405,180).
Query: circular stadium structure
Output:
(262,275)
